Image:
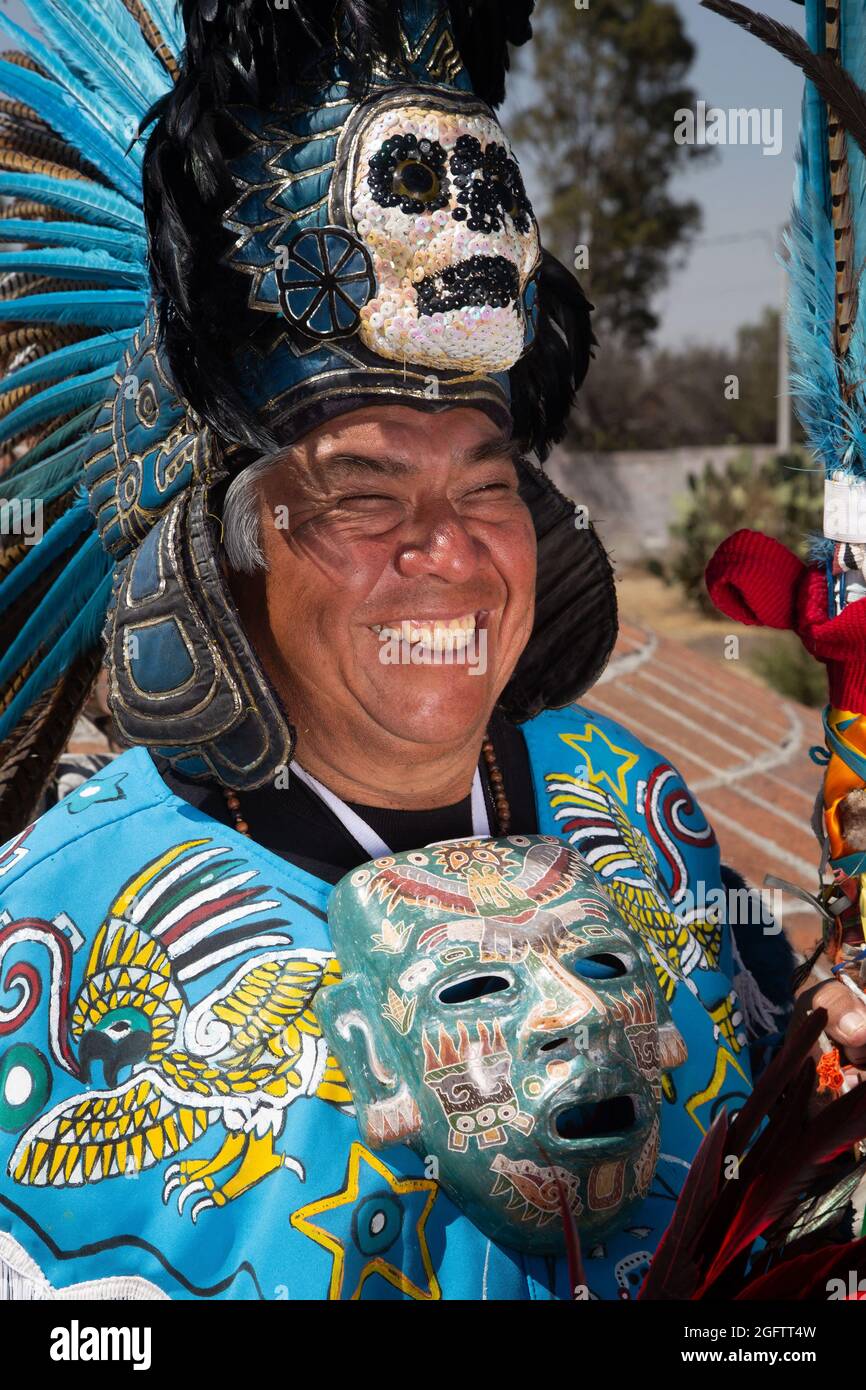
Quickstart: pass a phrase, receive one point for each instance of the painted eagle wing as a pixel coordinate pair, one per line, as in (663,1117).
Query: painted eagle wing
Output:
(268,1008)
(547,871)
(411,884)
(102,1134)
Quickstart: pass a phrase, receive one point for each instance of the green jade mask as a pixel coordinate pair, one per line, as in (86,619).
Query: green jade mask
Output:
(497,1014)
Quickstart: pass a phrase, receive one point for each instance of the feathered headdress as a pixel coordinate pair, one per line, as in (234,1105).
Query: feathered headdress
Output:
(227,229)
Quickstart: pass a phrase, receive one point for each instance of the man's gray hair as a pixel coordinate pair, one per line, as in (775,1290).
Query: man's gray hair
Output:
(242,522)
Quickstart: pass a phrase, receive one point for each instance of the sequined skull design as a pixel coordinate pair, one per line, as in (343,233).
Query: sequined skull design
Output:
(419,244)
(499,1015)
(439,201)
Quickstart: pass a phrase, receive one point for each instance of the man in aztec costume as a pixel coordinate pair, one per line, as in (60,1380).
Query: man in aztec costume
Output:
(284,357)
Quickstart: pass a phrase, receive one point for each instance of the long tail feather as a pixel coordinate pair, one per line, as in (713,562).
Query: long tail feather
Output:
(102,351)
(71,527)
(80,638)
(89,388)
(835,85)
(77,198)
(121,245)
(97,308)
(71,121)
(92,267)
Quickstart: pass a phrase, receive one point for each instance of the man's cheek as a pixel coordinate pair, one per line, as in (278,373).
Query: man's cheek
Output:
(342,556)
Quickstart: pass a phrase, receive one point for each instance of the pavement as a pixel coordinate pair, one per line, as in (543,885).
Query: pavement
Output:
(742,750)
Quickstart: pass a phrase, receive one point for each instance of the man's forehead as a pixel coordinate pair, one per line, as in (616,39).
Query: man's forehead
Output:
(401,441)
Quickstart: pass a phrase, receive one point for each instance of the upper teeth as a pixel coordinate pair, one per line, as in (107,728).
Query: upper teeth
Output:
(429,633)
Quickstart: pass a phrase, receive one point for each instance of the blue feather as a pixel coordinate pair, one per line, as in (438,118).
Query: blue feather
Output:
(66,530)
(115,59)
(48,479)
(71,589)
(83,238)
(71,394)
(99,308)
(829,395)
(90,267)
(116,125)
(74,431)
(78,198)
(104,350)
(81,636)
(166,15)
(69,119)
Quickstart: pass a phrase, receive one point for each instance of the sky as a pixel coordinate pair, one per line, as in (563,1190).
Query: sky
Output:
(727,281)
(745,196)
(731,273)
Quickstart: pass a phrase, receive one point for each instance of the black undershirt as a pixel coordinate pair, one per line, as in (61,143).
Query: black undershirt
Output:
(293,823)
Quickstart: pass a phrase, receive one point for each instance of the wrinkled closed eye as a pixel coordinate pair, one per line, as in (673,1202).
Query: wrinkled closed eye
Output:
(472,987)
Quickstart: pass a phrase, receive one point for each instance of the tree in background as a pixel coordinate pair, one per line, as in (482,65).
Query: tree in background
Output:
(676,398)
(608,82)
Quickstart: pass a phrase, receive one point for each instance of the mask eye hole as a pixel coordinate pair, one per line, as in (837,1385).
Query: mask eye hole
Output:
(416,180)
(472,987)
(603,966)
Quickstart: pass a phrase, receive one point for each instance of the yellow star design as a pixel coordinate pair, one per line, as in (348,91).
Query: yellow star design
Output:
(363,1189)
(583,743)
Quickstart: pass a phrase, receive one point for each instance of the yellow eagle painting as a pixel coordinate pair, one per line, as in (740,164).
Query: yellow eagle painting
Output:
(172,1070)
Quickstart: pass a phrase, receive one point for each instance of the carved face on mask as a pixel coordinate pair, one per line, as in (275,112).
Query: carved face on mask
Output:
(498,1015)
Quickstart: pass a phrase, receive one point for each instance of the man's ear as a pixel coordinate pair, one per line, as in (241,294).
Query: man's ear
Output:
(387,1111)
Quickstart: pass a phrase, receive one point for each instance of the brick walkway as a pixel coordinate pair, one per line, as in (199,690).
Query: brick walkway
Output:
(743,751)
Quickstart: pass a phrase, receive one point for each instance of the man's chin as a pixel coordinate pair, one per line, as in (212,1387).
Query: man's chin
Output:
(441,706)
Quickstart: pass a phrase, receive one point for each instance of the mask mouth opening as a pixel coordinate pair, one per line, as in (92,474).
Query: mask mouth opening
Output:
(596,1119)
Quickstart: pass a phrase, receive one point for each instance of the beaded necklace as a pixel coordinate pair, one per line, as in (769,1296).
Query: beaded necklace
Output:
(494,772)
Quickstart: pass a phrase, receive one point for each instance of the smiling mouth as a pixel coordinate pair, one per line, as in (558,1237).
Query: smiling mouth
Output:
(596,1119)
(453,633)
(489,281)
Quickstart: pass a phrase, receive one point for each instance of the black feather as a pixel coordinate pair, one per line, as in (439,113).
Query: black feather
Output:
(483,29)
(846,100)
(545,382)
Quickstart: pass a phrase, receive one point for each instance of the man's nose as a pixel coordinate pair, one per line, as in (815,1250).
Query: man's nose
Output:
(441,545)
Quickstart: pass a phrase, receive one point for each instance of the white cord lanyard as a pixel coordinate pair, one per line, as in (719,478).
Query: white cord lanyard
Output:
(364,834)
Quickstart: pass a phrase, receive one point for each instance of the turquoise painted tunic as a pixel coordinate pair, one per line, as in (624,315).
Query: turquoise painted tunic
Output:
(171,1123)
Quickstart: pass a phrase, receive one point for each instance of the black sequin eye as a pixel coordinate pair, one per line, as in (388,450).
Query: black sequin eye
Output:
(490,187)
(412,179)
(410,174)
